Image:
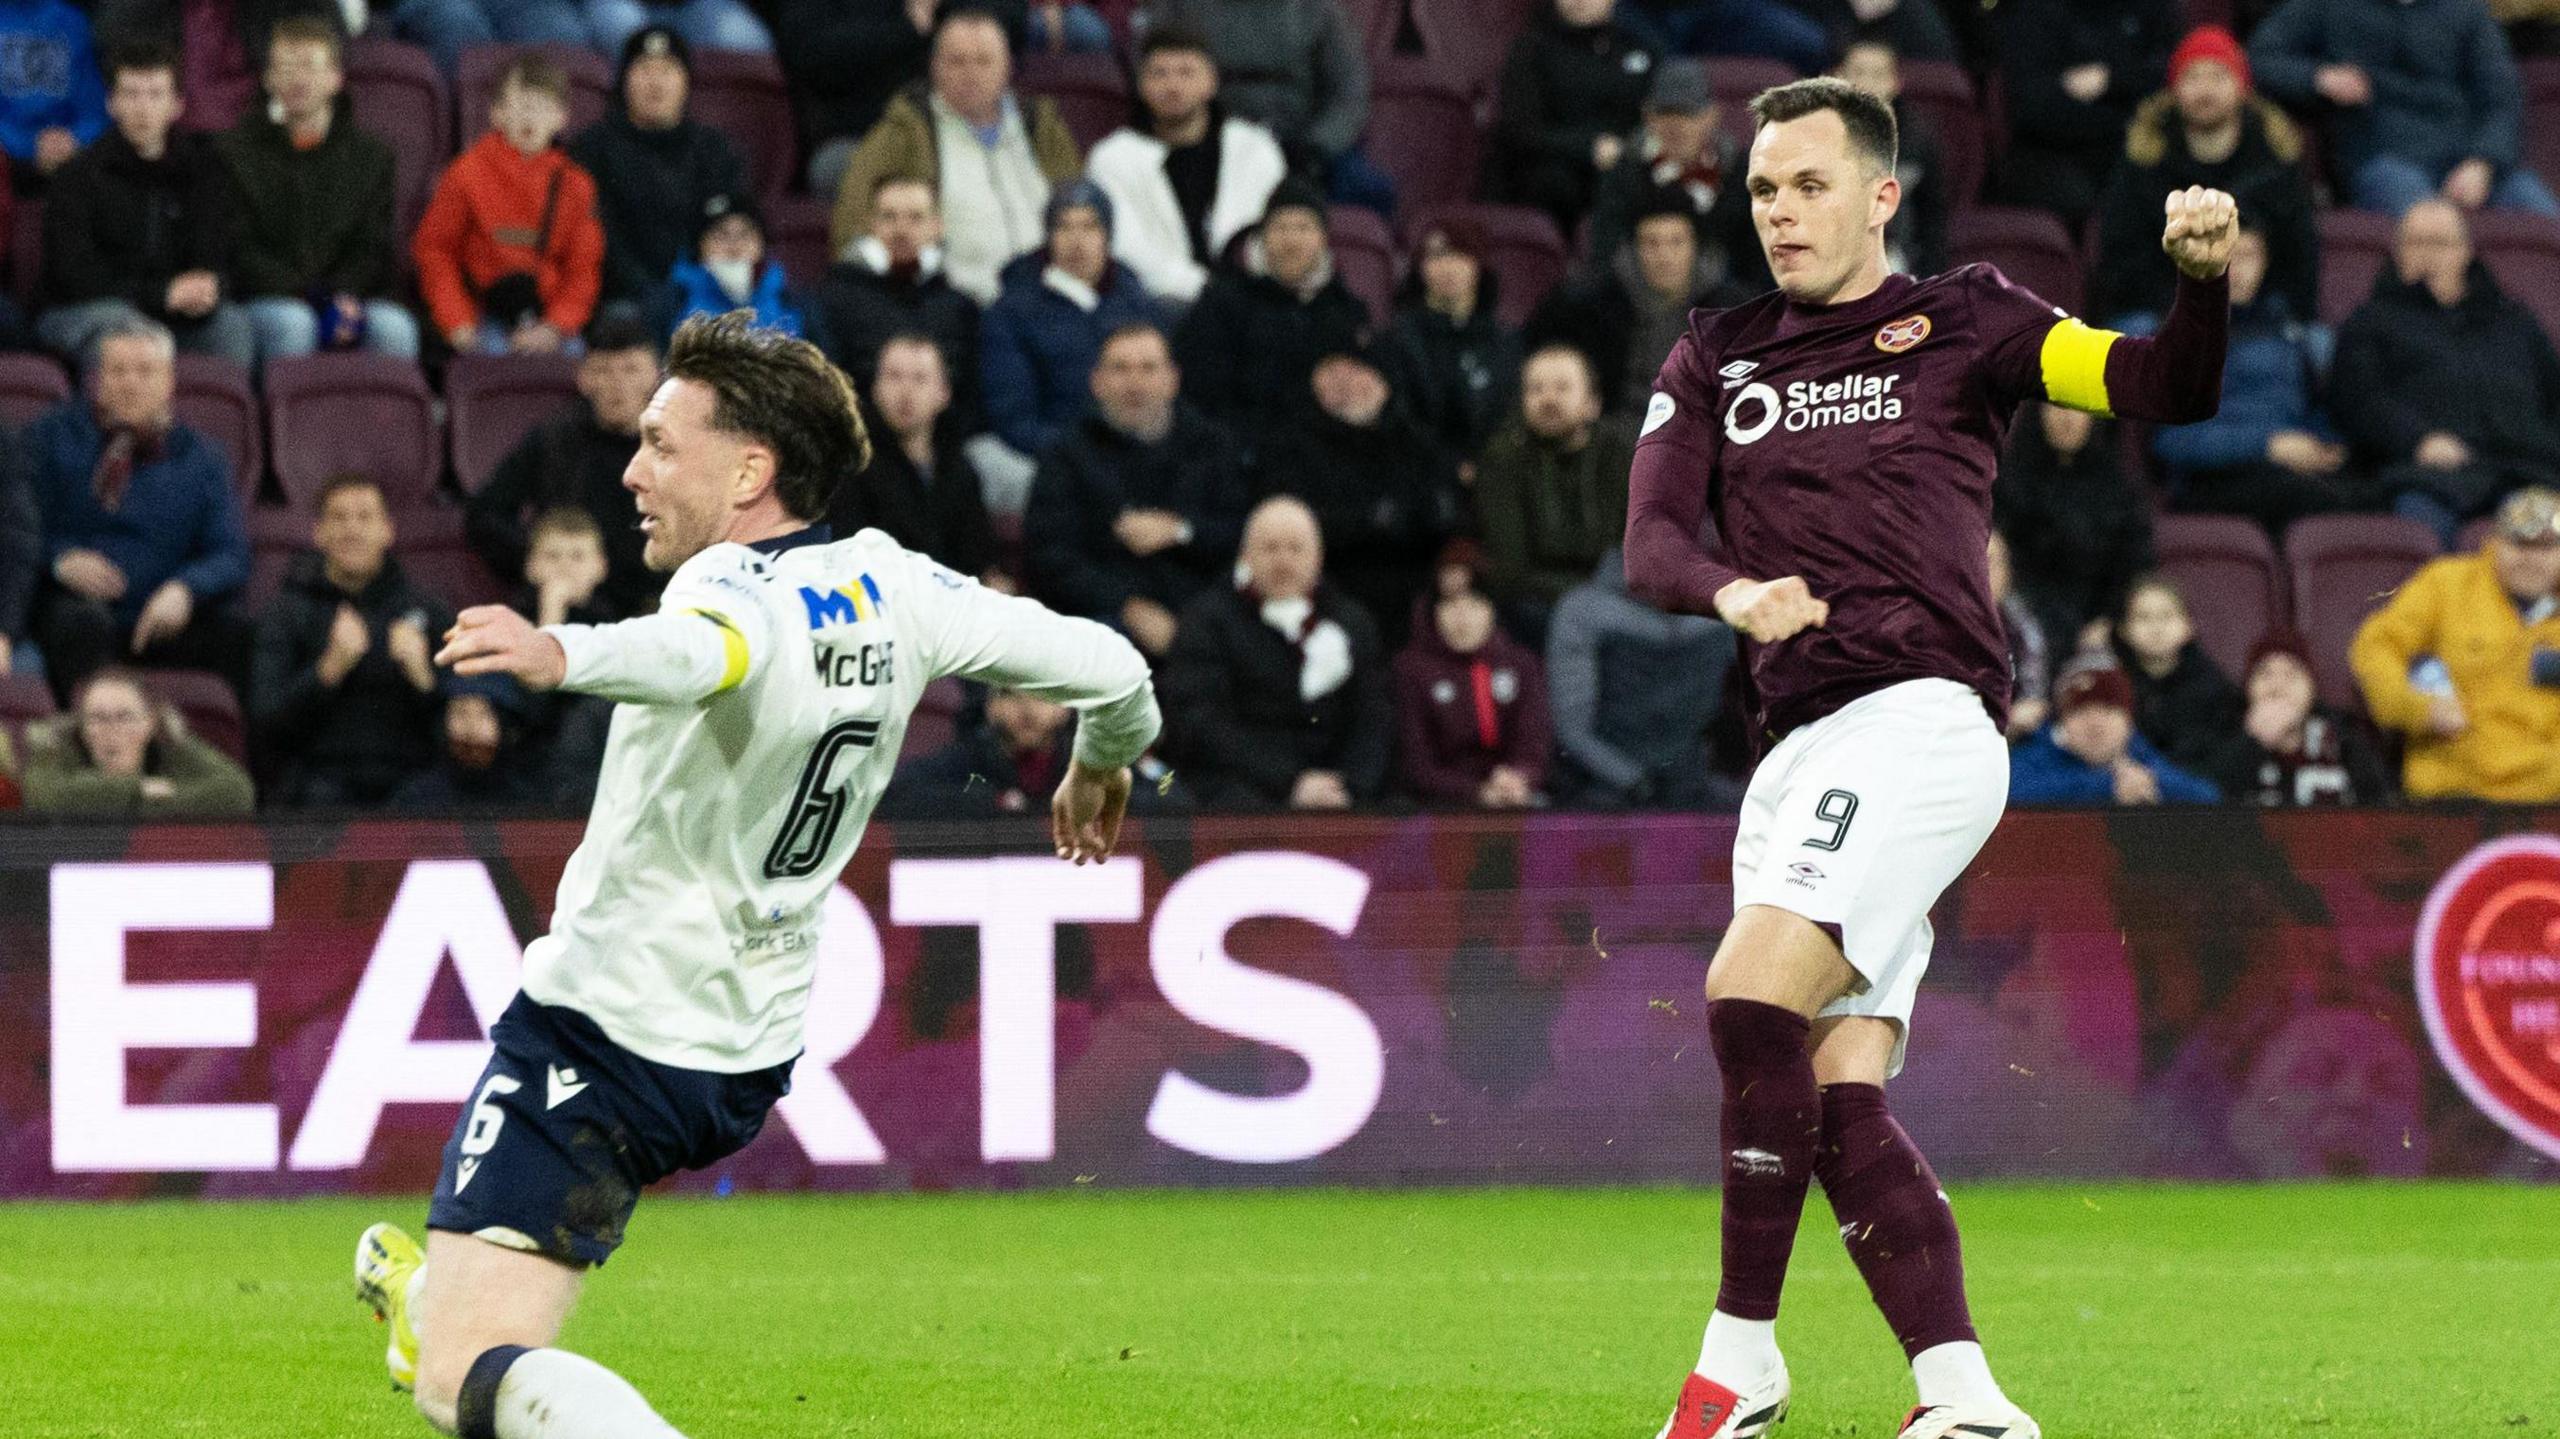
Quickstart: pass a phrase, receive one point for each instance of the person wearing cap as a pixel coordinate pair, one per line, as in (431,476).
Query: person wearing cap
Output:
(1448,353)
(1387,495)
(1572,91)
(2446,386)
(709,24)
(510,254)
(1044,333)
(1682,153)
(2423,95)
(2464,662)
(2208,128)
(2091,755)
(1625,311)
(729,270)
(447,27)
(655,166)
(1915,239)
(1250,343)
(2291,749)
(1184,177)
(991,156)
(2072,73)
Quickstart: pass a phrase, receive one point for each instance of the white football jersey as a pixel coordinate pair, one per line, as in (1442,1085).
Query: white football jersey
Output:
(761,713)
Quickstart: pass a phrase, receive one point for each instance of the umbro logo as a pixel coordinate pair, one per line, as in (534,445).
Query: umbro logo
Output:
(565,1086)
(1737,372)
(1758,1162)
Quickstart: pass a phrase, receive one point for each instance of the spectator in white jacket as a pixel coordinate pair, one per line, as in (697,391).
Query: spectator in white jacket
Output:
(1188,177)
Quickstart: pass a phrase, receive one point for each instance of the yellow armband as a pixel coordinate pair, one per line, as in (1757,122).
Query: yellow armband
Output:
(2075,366)
(734,647)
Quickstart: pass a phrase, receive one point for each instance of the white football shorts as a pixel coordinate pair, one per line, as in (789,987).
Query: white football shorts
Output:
(1861,819)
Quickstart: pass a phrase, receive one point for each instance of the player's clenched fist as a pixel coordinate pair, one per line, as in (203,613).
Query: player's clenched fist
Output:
(2201,226)
(495,640)
(1771,610)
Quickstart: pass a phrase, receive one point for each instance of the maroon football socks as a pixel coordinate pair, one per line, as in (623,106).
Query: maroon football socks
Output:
(1771,1125)
(1893,1216)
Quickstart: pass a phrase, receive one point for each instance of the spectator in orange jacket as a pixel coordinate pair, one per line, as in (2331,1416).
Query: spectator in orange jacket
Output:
(510,254)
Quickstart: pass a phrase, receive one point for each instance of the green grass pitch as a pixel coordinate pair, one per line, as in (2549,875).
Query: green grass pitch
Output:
(2112,1312)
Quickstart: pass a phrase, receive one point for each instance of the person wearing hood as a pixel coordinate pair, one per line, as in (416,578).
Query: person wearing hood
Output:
(655,166)
(2092,755)
(135,224)
(1624,312)
(2208,128)
(510,254)
(1633,691)
(1386,495)
(2079,530)
(2182,701)
(2292,750)
(1276,691)
(890,281)
(1044,333)
(1572,90)
(1448,353)
(2444,385)
(311,206)
(1551,493)
(1185,177)
(343,695)
(2268,454)
(729,270)
(1250,343)
(1471,702)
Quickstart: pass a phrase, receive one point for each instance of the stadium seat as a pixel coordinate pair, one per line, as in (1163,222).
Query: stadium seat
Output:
(1375,22)
(476,85)
(215,401)
(1090,91)
(277,533)
(1522,246)
(370,414)
(492,401)
(433,553)
(2355,250)
(1423,134)
(2029,246)
(1466,41)
(2541,75)
(400,98)
(204,699)
(2344,568)
(1940,95)
(796,234)
(2474,535)
(1364,255)
(742,96)
(2228,572)
(2523,251)
(26,252)
(29,386)
(936,719)
(23,698)
(1733,80)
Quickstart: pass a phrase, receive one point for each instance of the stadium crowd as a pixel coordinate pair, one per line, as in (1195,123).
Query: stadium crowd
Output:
(1303,341)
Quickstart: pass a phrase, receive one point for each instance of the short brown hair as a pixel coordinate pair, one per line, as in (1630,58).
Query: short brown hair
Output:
(1869,120)
(308,30)
(566,521)
(536,73)
(143,57)
(780,392)
(341,482)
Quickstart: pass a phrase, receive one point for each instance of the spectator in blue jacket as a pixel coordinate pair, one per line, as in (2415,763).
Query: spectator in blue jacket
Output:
(53,99)
(2091,755)
(2269,453)
(142,537)
(1045,330)
(729,270)
(2424,93)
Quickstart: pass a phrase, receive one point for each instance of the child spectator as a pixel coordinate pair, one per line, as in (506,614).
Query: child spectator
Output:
(2293,750)
(121,754)
(510,254)
(2181,702)
(564,571)
(730,271)
(1471,705)
(2091,754)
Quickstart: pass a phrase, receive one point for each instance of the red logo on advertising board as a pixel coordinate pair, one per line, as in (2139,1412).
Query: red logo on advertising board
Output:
(2489,982)
(1902,334)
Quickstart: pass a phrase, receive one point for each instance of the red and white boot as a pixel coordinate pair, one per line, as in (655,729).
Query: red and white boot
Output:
(1708,1410)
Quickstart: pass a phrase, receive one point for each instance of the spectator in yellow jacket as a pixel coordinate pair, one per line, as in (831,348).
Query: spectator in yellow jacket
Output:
(2465,661)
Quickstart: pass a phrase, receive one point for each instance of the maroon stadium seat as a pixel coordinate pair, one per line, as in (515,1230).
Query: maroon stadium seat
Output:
(29,386)
(433,554)
(2474,535)
(22,698)
(493,400)
(476,84)
(399,97)
(1090,91)
(26,252)
(2344,568)
(204,699)
(277,533)
(215,401)
(936,719)
(1467,40)
(1521,245)
(2228,572)
(2542,115)
(2029,246)
(2355,250)
(370,414)
(2523,251)
(1422,133)
(1733,80)
(795,232)
(1364,255)
(741,95)
(1940,95)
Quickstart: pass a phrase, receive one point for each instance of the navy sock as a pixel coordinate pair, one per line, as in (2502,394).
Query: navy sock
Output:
(476,1411)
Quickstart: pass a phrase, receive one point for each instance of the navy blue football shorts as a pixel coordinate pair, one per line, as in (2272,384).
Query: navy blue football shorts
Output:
(566,1127)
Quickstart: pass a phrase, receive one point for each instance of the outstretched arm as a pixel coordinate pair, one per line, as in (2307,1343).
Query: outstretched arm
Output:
(2173,376)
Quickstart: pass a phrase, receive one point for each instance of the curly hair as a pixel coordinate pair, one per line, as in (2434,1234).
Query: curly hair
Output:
(781,393)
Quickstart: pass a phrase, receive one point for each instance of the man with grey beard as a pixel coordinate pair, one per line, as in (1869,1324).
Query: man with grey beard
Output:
(1140,506)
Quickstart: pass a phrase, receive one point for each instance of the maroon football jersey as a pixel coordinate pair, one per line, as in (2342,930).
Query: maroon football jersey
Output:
(1855,445)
